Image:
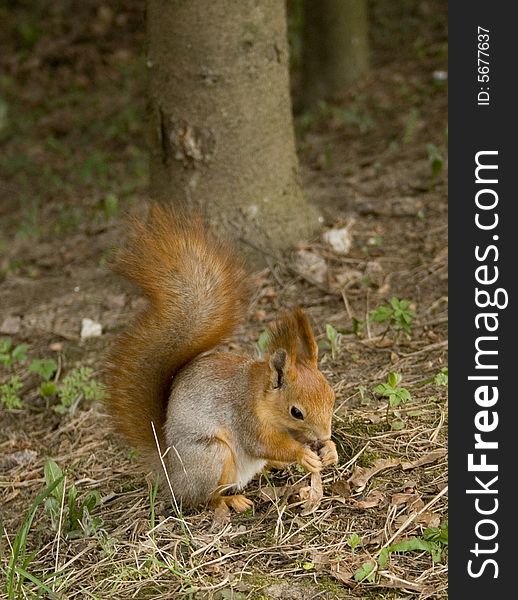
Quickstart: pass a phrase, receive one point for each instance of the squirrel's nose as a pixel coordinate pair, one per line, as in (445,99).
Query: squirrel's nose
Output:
(324,435)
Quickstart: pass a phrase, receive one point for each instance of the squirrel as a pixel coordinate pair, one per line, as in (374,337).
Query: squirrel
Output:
(217,417)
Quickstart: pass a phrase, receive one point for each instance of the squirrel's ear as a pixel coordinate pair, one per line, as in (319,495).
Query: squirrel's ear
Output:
(308,348)
(278,367)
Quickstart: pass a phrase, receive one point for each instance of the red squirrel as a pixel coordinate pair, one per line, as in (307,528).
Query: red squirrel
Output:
(222,417)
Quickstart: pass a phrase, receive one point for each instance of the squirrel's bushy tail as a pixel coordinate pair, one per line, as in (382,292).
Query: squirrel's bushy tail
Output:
(198,292)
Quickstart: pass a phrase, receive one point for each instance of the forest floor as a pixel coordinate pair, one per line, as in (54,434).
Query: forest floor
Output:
(72,161)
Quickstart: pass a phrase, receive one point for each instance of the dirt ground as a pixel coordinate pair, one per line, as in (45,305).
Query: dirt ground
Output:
(72,162)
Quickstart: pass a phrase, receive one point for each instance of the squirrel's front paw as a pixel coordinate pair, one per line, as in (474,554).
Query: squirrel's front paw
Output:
(310,460)
(328,454)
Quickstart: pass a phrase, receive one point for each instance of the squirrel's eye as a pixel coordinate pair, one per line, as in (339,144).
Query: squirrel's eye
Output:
(296,413)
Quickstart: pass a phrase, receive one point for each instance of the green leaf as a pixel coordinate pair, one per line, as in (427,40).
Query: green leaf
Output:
(331,332)
(382,313)
(394,380)
(383,557)
(9,393)
(37,582)
(394,400)
(5,345)
(441,378)
(354,540)
(307,566)
(357,327)
(20,541)
(52,472)
(19,354)
(437,534)
(92,500)
(334,339)
(71,502)
(383,389)
(435,159)
(414,543)
(44,367)
(366,572)
(48,388)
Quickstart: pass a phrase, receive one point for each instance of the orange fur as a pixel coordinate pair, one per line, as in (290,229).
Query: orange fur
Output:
(198,292)
(292,332)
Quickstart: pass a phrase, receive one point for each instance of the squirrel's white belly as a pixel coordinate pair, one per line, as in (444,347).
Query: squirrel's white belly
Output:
(247,468)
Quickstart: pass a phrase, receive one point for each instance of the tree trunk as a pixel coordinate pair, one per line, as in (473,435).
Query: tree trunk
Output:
(222,136)
(335,47)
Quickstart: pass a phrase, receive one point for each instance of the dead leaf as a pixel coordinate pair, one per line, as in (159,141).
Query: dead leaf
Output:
(341,488)
(340,572)
(274,493)
(425,460)
(429,519)
(220,518)
(372,500)
(17,459)
(312,494)
(404,498)
(361,475)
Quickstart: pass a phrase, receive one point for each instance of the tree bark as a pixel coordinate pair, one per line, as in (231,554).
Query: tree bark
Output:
(335,47)
(222,137)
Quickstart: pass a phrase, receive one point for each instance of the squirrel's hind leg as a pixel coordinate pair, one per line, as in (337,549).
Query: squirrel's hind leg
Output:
(227,480)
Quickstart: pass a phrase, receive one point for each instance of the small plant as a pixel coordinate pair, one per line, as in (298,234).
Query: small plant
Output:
(353,541)
(76,520)
(393,391)
(367,572)
(438,535)
(78,384)
(9,393)
(45,368)
(441,378)
(19,561)
(397,314)
(334,338)
(9,354)
(435,159)
(434,541)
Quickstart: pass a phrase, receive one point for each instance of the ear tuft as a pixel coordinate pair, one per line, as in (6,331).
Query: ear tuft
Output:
(278,367)
(308,348)
(293,333)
